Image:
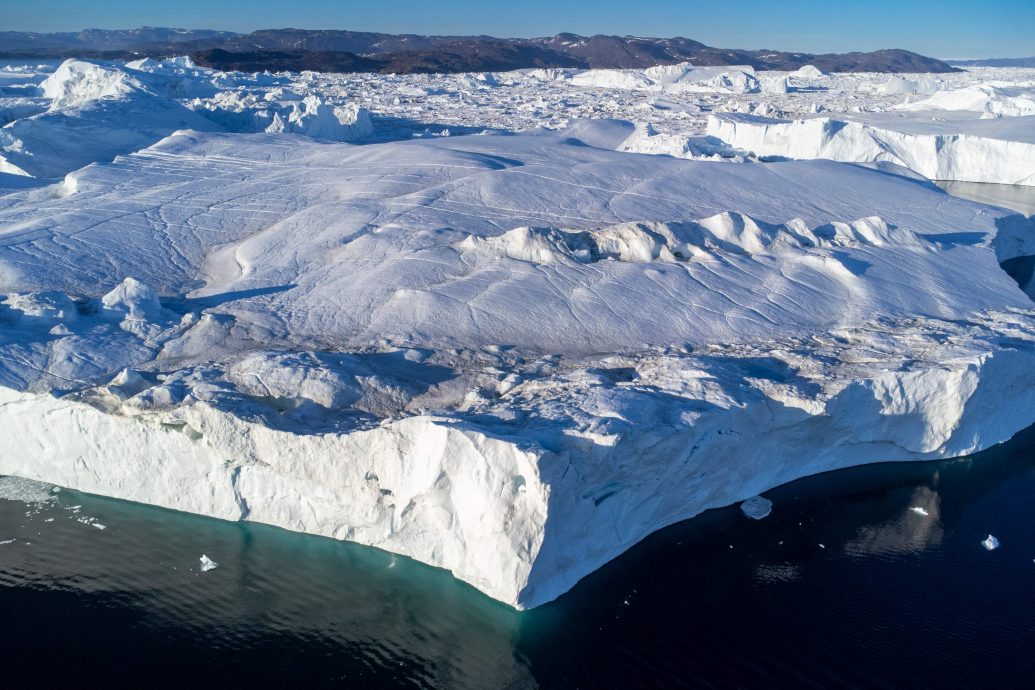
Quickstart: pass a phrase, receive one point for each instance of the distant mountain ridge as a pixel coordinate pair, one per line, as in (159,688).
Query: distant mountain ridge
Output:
(352,51)
(994,62)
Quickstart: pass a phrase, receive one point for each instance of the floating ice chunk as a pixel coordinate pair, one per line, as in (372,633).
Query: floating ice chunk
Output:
(6,541)
(42,309)
(810,71)
(99,525)
(920,510)
(990,543)
(77,82)
(757,507)
(314,118)
(131,299)
(126,384)
(207,564)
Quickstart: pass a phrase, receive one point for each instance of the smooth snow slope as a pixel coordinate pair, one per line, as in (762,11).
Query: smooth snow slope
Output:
(509,356)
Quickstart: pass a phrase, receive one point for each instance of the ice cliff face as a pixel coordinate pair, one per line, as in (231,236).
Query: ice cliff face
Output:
(509,356)
(998,151)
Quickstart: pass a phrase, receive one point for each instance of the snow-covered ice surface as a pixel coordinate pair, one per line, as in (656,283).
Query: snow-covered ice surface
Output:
(511,355)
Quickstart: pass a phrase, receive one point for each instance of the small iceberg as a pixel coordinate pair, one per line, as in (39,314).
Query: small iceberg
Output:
(757,507)
(990,543)
(920,510)
(207,564)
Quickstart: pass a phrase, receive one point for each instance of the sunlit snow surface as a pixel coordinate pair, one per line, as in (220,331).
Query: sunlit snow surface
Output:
(512,354)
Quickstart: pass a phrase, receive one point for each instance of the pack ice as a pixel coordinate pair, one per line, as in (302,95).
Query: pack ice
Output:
(509,355)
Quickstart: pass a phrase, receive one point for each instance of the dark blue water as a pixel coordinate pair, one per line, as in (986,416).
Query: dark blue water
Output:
(890,599)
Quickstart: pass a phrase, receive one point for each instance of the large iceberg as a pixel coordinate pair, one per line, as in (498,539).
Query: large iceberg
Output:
(672,79)
(509,356)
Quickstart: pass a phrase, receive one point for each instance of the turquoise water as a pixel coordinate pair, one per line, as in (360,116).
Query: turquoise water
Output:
(842,585)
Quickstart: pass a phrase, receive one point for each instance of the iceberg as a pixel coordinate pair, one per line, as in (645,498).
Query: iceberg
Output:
(986,100)
(757,507)
(97,112)
(510,356)
(959,148)
(670,79)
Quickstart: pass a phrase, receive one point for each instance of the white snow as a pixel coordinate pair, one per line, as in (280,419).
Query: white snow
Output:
(514,354)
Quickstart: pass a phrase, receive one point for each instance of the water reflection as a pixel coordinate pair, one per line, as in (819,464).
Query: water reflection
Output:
(1020,198)
(916,528)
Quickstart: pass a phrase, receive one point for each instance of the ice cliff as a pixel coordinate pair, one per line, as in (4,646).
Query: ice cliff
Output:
(992,151)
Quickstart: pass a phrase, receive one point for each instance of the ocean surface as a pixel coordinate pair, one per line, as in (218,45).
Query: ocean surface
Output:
(844,585)
(869,577)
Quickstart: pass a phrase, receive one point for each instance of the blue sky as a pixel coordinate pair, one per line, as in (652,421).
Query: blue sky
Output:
(944,28)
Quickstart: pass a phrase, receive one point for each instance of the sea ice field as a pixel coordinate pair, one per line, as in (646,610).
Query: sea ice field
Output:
(505,324)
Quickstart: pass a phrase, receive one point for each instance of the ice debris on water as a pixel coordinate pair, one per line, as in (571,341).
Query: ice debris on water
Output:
(757,507)
(207,564)
(990,543)
(919,510)
(25,490)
